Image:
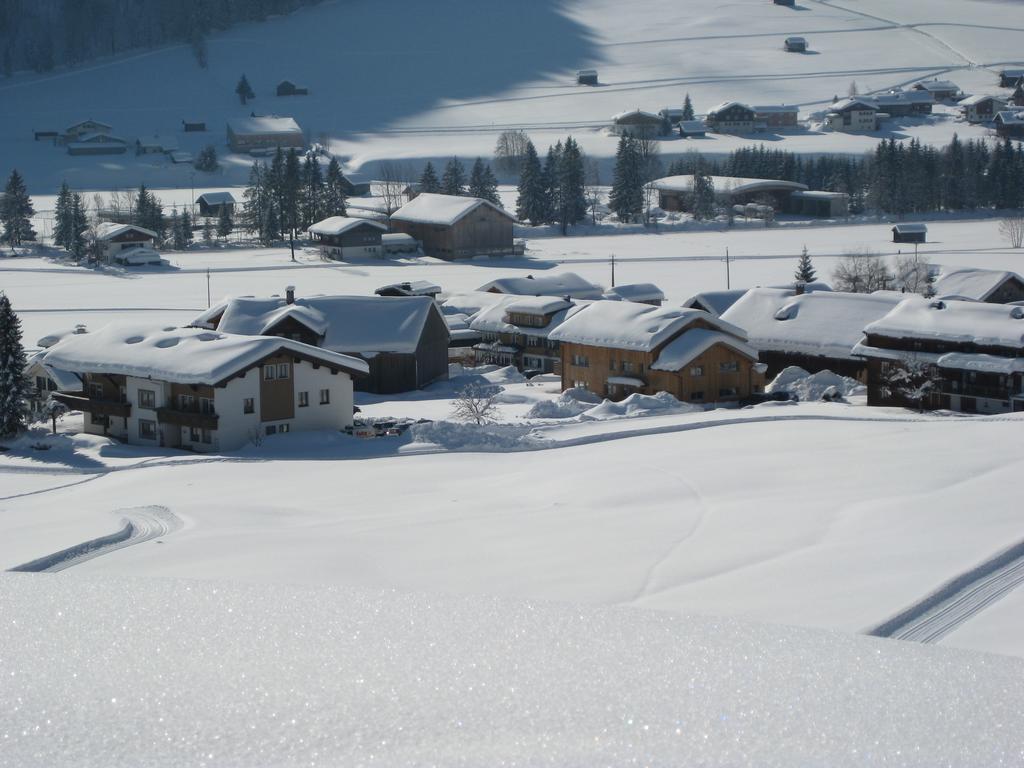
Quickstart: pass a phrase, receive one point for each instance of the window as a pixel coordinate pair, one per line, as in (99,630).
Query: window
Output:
(727,392)
(325,396)
(696,395)
(580,361)
(611,365)
(697,370)
(282,370)
(282,428)
(730,367)
(97,418)
(207,436)
(248,405)
(40,383)
(96,390)
(186,402)
(147,429)
(206,405)
(269,372)
(271,429)
(194,434)
(580,384)
(303,399)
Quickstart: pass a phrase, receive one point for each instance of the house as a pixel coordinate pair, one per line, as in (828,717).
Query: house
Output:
(1009,125)
(974,350)
(981,108)
(264,133)
(76,131)
(117,241)
(714,302)
(672,114)
(636,122)
(1017,97)
(775,116)
(795,45)
(1009,78)
(97,144)
(586,77)
(616,348)
(674,191)
(404,341)
(454,227)
(516,331)
(643,293)
(909,233)
(193,126)
(203,390)
(941,90)
(816,331)
(988,285)
(852,116)
(410,288)
(213,203)
(819,205)
(731,117)
(45,378)
(344,237)
(398,242)
(898,103)
(563,284)
(692,129)
(288,88)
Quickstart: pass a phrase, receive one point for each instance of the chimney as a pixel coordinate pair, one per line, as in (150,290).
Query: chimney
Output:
(289,294)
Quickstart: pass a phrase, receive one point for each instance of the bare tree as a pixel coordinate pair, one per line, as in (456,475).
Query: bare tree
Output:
(394,178)
(592,192)
(649,157)
(510,151)
(910,379)
(914,274)
(861,271)
(1012,228)
(477,403)
(852,90)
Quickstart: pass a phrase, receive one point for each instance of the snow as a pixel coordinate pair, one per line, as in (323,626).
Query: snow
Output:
(956,321)
(565,284)
(680,351)
(813,386)
(907,229)
(335,225)
(818,323)
(183,355)
(715,302)
(972,283)
(66,381)
(630,325)
(242,126)
(216,198)
(442,210)
(348,324)
(733,184)
(108,230)
(981,362)
(635,292)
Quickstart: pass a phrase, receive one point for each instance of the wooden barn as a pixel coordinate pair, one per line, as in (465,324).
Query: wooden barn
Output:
(795,45)
(941,90)
(770,116)
(193,126)
(636,122)
(909,233)
(731,117)
(288,88)
(248,133)
(1010,78)
(982,108)
(212,203)
(586,77)
(454,227)
(992,286)
(1009,125)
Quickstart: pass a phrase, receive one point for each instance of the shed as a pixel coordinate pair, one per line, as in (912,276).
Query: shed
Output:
(909,233)
(695,129)
(248,133)
(821,205)
(341,237)
(193,126)
(586,77)
(212,203)
(637,122)
(795,44)
(455,227)
(1009,125)
(789,3)
(38,135)
(288,88)
(1008,78)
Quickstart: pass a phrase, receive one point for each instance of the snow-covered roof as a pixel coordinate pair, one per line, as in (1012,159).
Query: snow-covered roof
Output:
(264,125)
(725,105)
(767,109)
(938,85)
(627,381)
(980,98)
(54,336)
(794,39)
(972,283)
(631,325)
(536,305)
(817,194)
(693,343)
(71,128)
(99,138)
(468,303)
(693,126)
(397,238)
(821,323)
(980,362)
(636,113)
(715,302)
(443,210)
(968,322)
(110,229)
(732,184)
(335,225)
(561,284)
(635,292)
(492,319)
(910,228)
(903,97)
(858,103)
(1008,117)
(181,355)
(66,381)
(411,288)
(216,198)
(347,324)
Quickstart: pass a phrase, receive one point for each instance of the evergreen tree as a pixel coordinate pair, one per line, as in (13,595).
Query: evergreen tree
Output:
(428,179)
(453,182)
(14,387)
(626,198)
(482,183)
(702,196)
(79,225)
(291,194)
(207,231)
(256,210)
(550,176)
(177,238)
(62,223)
(688,108)
(334,190)
(314,192)
(805,270)
(244,90)
(531,203)
(207,159)
(225,226)
(185,222)
(16,211)
(572,202)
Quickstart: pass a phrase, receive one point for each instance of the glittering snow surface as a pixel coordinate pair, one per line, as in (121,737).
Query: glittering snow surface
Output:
(136,672)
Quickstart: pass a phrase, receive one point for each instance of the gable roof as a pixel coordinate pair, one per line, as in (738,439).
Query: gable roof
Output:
(725,105)
(715,302)
(561,284)
(216,198)
(983,324)
(909,227)
(110,229)
(80,123)
(693,343)
(859,103)
(66,381)
(410,288)
(263,125)
(630,325)
(1009,117)
(980,98)
(182,355)
(444,210)
(492,318)
(335,225)
(635,292)
(650,116)
(973,283)
(347,324)
(938,85)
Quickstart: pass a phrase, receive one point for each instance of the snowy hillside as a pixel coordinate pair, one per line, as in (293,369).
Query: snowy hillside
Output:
(400,86)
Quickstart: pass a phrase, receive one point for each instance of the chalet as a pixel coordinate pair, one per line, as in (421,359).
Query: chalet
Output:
(404,341)
(692,129)
(776,116)
(636,122)
(586,77)
(974,351)
(116,242)
(45,379)
(642,293)
(516,331)
(97,144)
(795,45)
(156,145)
(816,331)
(674,191)
(1009,125)
(213,203)
(567,284)
(981,108)
(852,116)
(344,237)
(817,204)
(288,88)
(410,288)
(246,134)
(731,117)
(941,90)
(905,103)
(203,390)
(988,285)
(193,126)
(76,131)
(1009,78)
(394,243)
(454,227)
(909,233)
(616,348)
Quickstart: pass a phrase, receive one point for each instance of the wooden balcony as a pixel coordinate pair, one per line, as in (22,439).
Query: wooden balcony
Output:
(187,418)
(79,401)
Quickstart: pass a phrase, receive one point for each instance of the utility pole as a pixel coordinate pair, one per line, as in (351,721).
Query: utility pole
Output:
(613,269)
(728,278)
(208,302)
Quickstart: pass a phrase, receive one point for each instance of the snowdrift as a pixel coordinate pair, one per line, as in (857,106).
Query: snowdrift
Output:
(814,386)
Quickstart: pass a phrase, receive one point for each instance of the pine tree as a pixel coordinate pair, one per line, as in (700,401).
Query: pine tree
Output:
(291,194)
(14,387)
(313,192)
(225,225)
(16,211)
(530,204)
(334,190)
(244,90)
(62,218)
(453,182)
(149,213)
(177,240)
(805,270)
(482,183)
(79,225)
(702,196)
(626,197)
(552,190)
(207,159)
(572,202)
(428,179)
(186,228)
(207,231)
(688,108)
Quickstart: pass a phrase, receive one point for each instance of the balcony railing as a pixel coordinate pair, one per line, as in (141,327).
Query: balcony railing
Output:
(94,405)
(187,418)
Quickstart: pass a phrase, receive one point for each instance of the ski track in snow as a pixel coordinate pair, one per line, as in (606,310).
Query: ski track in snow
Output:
(139,524)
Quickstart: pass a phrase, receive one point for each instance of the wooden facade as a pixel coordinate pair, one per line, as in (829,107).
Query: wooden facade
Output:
(732,118)
(484,231)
